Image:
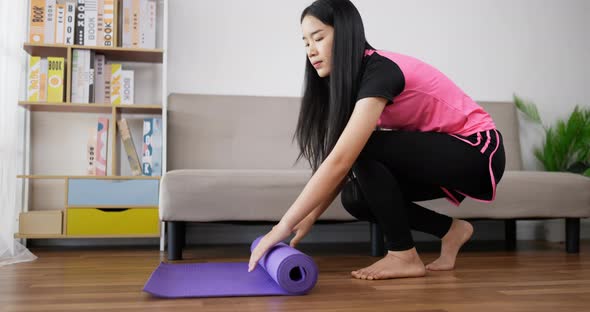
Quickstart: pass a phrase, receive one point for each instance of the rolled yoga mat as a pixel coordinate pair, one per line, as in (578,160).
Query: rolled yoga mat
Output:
(282,271)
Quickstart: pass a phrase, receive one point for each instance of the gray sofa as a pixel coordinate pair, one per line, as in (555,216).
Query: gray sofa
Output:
(231,158)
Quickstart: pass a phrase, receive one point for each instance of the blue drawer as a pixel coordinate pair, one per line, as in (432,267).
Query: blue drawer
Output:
(91,192)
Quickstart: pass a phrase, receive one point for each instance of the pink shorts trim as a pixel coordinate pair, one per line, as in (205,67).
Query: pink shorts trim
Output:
(450,196)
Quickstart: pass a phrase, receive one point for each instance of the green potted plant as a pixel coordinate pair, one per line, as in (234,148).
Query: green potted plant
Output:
(566,146)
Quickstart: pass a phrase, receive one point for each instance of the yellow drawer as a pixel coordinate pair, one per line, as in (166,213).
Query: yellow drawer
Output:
(96,221)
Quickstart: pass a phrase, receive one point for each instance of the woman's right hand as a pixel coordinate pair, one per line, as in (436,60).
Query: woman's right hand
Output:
(302,229)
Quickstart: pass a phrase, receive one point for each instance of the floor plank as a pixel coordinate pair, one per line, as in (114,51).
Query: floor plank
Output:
(538,276)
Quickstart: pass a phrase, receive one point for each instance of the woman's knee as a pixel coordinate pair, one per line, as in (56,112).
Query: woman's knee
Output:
(369,179)
(354,201)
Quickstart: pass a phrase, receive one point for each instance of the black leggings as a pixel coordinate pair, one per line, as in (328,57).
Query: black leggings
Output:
(397,168)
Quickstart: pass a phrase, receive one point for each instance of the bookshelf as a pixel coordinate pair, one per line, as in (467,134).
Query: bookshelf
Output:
(114,205)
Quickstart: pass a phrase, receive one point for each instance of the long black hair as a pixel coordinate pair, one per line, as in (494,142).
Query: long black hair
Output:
(327,103)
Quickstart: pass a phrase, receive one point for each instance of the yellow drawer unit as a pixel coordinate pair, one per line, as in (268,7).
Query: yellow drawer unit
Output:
(112,221)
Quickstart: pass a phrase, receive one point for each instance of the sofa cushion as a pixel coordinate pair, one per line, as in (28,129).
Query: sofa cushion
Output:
(265,195)
(235,195)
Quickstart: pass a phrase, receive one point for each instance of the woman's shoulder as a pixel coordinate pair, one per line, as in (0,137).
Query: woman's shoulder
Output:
(381,77)
(380,60)
(395,57)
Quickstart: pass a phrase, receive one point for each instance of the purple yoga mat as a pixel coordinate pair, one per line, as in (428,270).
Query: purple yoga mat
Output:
(282,271)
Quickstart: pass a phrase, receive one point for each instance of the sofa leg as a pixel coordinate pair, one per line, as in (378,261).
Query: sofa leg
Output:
(175,239)
(510,234)
(572,235)
(182,235)
(377,245)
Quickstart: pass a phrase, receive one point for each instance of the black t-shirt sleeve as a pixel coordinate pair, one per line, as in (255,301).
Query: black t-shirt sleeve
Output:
(381,78)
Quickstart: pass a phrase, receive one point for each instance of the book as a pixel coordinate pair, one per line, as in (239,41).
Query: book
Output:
(55,79)
(135,23)
(148,24)
(81,75)
(90,77)
(129,146)
(50,15)
(127,79)
(100,23)
(102,135)
(91,151)
(108,32)
(37,21)
(152,147)
(99,79)
(107,83)
(79,25)
(116,84)
(125,23)
(70,22)
(43,81)
(60,19)
(33,78)
(90,20)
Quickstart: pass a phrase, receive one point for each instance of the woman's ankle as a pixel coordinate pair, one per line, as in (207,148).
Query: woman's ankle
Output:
(409,255)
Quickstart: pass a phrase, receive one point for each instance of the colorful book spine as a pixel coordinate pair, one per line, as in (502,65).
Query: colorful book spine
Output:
(70,22)
(129,147)
(91,75)
(107,83)
(79,26)
(102,135)
(60,20)
(126,23)
(43,81)
(99,79)
(50,15)
(108,33)
(91,151)
(81,75)
(135,23)
(148,24)
(152,147)
(33,79)
(127,83)
(116,84)
(55,81)
(90,19)
(100,23)
(37,21)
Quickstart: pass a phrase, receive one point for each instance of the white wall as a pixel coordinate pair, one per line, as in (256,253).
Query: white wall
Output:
(491,48)
(537,49)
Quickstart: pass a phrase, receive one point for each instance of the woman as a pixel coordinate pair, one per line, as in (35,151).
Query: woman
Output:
(398,131)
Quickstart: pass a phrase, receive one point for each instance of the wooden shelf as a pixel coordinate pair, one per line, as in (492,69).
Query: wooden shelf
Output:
(58,177)
(65,107)
(111,53)
(36,236)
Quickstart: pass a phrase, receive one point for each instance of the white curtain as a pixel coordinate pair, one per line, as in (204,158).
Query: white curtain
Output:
(12,34)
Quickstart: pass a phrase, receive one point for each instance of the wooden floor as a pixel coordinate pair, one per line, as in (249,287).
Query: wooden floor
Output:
(537,277)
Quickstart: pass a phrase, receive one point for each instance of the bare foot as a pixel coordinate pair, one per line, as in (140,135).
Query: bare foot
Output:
(396,264)
(459,233)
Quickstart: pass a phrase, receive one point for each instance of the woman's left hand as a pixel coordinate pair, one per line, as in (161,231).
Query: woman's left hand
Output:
(278,233)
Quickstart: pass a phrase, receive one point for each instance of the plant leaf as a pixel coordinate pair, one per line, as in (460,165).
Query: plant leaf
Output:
(528,108)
